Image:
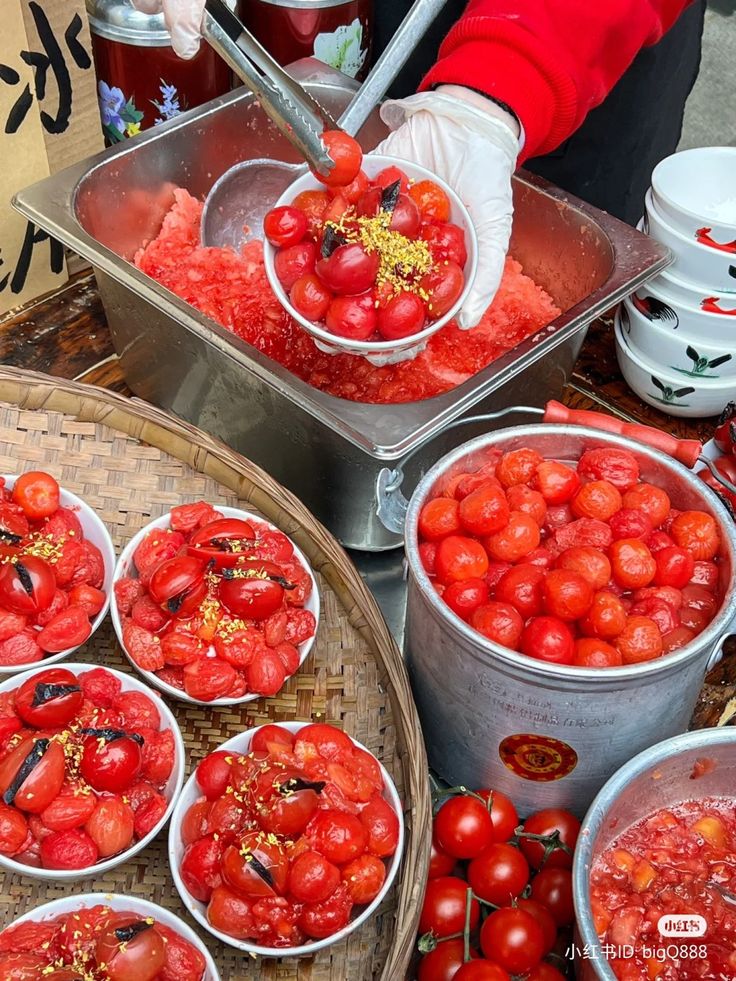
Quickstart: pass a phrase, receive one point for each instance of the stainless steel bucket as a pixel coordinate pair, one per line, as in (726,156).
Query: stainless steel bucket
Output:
(658,777)
(546,734)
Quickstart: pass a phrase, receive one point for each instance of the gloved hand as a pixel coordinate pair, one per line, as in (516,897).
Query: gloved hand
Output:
(472,144)
(183,21)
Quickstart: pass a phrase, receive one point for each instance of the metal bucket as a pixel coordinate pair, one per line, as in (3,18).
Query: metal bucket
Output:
(659,777)
(549,735)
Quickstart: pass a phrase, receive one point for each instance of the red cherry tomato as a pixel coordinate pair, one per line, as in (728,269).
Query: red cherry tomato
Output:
(403,315)
(465,597)
(256,866)
(294,262)
(50,699)
(440,863)
(443,910)
(544,918)
(405,218)
(312,878)
(460,558)
(499,874)
(350,270)
(37,493)
(285,225)
(310,297)
(347,156)
(339,836)
(463,827)
(213,774)
(68,628)
(548,639)
(443,285)
(499,622)
(131,949)
(313,204)
(504,818)
(512,938)
(111,759)
(561,827)
(553,889)
(223,541)
(28,586)
(438,518)
(481,970)
(178,585)
(444,962)
(446,242)
(431,200)
(252,598)
(354,317)
(32,774)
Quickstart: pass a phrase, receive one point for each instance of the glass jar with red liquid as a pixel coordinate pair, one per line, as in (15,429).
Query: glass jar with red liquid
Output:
(140,81)
(337,32)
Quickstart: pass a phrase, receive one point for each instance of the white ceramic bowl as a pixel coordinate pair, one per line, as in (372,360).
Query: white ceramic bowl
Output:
(657,301)
(663,343)
(95,532)
(695,189)
(191,793)
(170,791)
(126,567)
(668,391)
(379,352)
(703,267)
(691,294)
(122,904)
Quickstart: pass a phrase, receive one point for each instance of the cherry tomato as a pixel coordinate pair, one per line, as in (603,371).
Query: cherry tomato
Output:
(446,242)
(544,918)
(460,558)
(318,920)
(440,862)
(110,826)
(289,815)
(617,466)
(606,617)
(592,652)
(68,628)
(590,563)
(201,867)
(294,262)
(364,878)
(443,285)
(567,595)
(256,866)
(381,826)
(443,910)
(444,962)
(43,764)
(597,499)
(560,826)
(512,938)
(223,541)
(111,759)
(403,315)
(499,622)
(178,585)
(632,563)
(628,523)
(231,914)
(313,204)
(310,297)
(553,889)
(312,878)
(213,774)
(653,501)
(347,157)
(28,586)
(339,836)
(463,827)
(504,818)
(405,218)
(465,597)
(269,738)
(131,949)
(545,972)
(695,531)
(349,270)
(499,874)
(484,510)
(50,699)
(354,317)
(481,970)
(516,540)
(556,482)
(252,598)
(431,200)
(390,175)
(37,493)
(285,225)
(68,850)
(548,639)
(13,830)
(725,431)
(640,640)
(439,517)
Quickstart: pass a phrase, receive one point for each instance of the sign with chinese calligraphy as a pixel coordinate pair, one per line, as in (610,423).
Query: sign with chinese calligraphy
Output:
(48,119)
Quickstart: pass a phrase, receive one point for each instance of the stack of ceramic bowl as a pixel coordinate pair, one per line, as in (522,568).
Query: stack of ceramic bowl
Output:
(676,336)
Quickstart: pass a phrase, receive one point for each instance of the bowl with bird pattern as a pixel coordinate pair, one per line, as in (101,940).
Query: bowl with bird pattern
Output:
(670,391)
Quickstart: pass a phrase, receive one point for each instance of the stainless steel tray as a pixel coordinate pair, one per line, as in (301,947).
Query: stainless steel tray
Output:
(327,450)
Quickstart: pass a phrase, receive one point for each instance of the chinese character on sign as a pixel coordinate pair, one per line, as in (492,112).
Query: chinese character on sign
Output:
(33,236)
(52,57)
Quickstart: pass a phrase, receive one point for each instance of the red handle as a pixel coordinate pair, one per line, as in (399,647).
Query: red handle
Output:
(686,451)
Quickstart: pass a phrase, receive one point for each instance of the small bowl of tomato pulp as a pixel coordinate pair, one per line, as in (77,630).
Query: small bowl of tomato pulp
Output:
(126,569)
(27,935)
(193,793)
(95,532)
(117,706)
(378,168)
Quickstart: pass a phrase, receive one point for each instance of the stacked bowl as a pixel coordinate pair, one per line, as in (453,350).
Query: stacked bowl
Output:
(676,336)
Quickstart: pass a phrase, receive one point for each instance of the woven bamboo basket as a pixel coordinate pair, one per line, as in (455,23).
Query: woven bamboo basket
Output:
(132,462)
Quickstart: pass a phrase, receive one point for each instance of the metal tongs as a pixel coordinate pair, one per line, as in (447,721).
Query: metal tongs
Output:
(237,202)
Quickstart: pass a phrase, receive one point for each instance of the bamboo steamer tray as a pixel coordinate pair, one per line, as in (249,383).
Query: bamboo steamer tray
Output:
(132,462)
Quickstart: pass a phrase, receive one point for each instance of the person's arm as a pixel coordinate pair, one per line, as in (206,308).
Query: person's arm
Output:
(550,61)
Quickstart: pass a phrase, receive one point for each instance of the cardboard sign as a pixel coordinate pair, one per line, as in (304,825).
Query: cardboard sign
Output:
(48,120)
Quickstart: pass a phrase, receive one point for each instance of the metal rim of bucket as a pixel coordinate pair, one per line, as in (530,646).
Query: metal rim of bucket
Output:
(596,815)
(714,633)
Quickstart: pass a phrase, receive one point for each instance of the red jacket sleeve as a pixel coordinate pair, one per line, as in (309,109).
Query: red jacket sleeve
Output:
(551,61)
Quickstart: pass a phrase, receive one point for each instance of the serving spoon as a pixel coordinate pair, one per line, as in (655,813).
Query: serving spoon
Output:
(239,200)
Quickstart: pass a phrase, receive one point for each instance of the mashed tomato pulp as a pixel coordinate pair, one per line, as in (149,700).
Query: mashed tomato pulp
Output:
(233,290)
(678,861)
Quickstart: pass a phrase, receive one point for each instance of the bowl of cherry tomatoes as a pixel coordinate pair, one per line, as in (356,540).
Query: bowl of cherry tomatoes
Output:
(91,764)
(374,263)
(137,940)
(56,569)
(286,839)
(214,607)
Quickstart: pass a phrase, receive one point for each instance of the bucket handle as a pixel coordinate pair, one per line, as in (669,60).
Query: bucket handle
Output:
(392,505)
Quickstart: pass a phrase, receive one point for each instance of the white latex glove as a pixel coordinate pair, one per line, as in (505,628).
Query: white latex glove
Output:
(472,144)
(183,21)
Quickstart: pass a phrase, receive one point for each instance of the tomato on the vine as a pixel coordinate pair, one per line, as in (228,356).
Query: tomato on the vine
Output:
(553,888)
(512,938)
(443,910)
(463,826)
(442,963)
(561,828)
(499,874)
